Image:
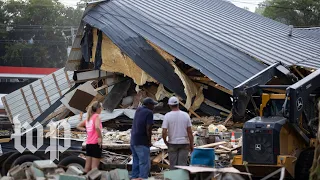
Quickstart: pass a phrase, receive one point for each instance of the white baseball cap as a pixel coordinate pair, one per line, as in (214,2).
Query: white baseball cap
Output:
(173,101)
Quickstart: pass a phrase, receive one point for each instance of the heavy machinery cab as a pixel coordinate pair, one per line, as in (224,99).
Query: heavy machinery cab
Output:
(285,122)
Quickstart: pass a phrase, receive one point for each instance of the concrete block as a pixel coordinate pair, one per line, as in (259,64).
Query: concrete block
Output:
(36,172)
(6,178)
(73,170)
(71,177)
(17,172)
(105,175)
(40,178)
(178,174)
(119,174)
(94,174)
(44,164)
(59,171)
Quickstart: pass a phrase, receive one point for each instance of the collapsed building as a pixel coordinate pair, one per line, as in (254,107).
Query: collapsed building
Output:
(199,51)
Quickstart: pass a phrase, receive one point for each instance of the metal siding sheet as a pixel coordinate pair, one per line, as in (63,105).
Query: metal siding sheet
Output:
(16,102)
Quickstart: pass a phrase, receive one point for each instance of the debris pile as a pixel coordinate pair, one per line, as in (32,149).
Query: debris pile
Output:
(47,169)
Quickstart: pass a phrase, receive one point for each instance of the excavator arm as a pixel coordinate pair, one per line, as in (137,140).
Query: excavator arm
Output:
(242,94)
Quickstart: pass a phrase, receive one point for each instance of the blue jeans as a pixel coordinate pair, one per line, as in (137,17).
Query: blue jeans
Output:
(141,161)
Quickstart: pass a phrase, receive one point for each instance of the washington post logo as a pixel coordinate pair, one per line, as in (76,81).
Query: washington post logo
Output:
(54,148)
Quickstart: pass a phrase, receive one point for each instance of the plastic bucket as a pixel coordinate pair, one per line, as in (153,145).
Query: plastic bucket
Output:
(203,157)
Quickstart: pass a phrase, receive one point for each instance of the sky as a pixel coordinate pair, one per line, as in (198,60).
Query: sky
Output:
(251,4)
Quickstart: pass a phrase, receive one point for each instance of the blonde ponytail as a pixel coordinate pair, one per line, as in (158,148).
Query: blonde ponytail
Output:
(92,109)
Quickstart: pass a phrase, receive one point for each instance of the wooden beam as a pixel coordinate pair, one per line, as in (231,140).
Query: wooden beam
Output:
(67,77)
(228,119)
(26,103)
(189,70)
(280,91)
(7,108)
(212,145)
(45,91)
(209,82)
(35,98)
(57,85)
(300,74)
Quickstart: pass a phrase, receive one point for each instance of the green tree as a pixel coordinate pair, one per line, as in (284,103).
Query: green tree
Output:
(303,13)
(34,32)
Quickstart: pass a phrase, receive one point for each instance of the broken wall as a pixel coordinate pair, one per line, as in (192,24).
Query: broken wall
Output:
(114,60)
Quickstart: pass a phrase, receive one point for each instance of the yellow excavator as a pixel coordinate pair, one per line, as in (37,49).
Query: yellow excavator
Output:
(280,122)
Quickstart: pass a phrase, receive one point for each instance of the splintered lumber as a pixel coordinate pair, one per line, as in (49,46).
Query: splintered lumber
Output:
(212,145)
(228,119)
(225,148)
(160,157)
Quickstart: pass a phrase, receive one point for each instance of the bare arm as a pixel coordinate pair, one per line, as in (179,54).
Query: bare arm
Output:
(190,135)
(97,126)
(164,135)
(81,126)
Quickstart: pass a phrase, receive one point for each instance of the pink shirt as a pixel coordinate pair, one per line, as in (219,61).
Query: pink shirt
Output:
(92,135)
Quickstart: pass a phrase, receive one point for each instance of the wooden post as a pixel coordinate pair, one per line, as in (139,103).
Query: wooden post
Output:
(35,98)
(228,119)
(45,91)
(56,82)
(7,108)
(67,77)
(26,102)
(300,74)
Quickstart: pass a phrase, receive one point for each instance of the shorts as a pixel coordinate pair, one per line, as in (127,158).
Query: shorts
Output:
(94,150)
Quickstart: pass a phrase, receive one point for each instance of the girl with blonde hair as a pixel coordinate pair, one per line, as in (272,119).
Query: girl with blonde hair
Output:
(93,126)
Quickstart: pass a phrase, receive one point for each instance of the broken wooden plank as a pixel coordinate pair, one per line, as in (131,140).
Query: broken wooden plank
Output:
(280,91)
(26,103)
(4,140)
(215,85)
(160,157)
(7,108)
(297,71)
(225,148)
(35,98)
(212,145)
(67,77)
(227,119)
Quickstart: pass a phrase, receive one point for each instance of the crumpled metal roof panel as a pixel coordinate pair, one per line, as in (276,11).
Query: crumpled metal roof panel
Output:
(189,39)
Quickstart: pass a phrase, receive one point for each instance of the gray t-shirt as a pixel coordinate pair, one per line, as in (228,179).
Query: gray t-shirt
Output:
(177,123)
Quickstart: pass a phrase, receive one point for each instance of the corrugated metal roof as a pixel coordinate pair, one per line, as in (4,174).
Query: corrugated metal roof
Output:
(188,38)
(314,31)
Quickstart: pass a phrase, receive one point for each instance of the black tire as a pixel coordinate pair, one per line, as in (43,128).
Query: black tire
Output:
(6,165)
(303,164)
(65,162)
(25,158)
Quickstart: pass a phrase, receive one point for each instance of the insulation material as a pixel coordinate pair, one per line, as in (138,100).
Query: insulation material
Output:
(116,61)
(190,89)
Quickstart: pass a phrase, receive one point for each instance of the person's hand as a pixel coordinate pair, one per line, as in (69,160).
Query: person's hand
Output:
(100,141)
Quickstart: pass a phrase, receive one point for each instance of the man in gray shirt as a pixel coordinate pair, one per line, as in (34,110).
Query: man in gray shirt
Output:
(177,127)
